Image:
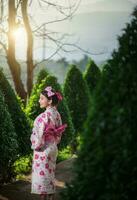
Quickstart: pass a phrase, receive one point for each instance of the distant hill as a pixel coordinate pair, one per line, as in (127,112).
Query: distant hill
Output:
(57,68)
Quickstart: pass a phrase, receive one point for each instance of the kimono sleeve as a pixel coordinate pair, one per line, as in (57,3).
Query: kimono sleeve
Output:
(37,136)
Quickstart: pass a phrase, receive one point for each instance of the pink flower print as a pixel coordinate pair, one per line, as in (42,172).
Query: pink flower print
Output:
(49,158)
(48,114)
(42,158)
(43,115)
(46,165)
(40,120)
(34,133)
(36,156)
(42,173)
(37,164)
(50,170)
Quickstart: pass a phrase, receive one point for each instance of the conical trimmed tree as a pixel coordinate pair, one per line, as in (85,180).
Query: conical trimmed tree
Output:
(32,108)
(8,142)
(22,127)
(92,75)
(63,109)
(106,167)
(77,96)
(42,75)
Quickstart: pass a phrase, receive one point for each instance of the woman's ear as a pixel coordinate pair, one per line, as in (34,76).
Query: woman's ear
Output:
(50,102)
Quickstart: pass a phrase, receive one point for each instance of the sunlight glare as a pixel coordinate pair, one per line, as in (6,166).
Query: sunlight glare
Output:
(21,42)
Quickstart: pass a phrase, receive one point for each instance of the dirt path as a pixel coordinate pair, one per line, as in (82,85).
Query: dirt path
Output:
(20,190)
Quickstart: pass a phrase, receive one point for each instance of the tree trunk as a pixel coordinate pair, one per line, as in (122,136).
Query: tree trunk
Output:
(30,65)
(11,59)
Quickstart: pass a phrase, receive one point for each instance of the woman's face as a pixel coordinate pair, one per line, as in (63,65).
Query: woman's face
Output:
(44,102)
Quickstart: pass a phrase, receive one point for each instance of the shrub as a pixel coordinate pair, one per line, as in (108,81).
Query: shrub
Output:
(92,75)
(77,97)
(107,164)
(8,142)
(18,117)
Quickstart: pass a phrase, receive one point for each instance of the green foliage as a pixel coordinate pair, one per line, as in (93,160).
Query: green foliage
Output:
(62,107)
(18,117)
(22,165)
(8,141)
(92,75)
(64,154)
(77,97)
(42,75)
(32,108)
(107,164)
(126,52)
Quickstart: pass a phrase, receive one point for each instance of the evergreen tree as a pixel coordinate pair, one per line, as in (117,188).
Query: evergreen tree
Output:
(22,128)
(41,75)
(8,142)
(106,166)
(77,97)
(32,108)
(92,75)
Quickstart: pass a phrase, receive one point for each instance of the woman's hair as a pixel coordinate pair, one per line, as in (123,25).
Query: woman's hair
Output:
(54,98)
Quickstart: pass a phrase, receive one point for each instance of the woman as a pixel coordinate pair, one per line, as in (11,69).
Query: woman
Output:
(46,134)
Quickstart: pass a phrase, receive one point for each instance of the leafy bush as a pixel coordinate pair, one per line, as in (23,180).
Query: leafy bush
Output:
(64,154)
(22,127)
(92,75)
(77,97)
(107,164)
(32,107)
(8,142)
(22,165)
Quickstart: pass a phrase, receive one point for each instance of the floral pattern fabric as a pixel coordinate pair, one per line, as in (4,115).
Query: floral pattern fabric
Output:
(44,140)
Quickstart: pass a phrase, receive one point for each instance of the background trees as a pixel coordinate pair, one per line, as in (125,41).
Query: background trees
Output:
(8,142)
(77,96)
(106,166)
(16,13)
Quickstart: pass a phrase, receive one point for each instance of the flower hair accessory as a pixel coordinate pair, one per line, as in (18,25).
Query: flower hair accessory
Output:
(49,91)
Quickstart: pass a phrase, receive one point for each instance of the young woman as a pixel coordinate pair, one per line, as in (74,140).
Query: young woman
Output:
(46,134)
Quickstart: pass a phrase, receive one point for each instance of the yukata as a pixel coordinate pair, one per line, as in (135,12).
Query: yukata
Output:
(46,134)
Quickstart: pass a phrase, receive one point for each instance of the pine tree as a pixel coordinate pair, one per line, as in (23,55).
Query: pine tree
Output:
(106,166)
(32,108)
(41,75)
(77,97)
(8,141)
(22,127)
(92,75)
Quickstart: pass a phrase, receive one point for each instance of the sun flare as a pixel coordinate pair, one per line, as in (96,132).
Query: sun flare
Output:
(19,33)
(20,42)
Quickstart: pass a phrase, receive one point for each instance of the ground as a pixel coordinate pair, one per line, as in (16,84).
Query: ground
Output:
(20,190)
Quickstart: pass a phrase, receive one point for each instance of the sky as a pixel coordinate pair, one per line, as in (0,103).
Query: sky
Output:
(106,5)
(94,27)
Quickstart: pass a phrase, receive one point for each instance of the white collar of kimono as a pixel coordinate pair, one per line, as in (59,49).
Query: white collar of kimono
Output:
(50,107)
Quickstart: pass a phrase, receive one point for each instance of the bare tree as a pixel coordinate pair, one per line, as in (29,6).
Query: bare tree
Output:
(9,48)
(30,66)
(18,10)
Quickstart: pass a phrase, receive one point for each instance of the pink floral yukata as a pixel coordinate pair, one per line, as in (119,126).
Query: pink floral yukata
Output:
(46,134)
